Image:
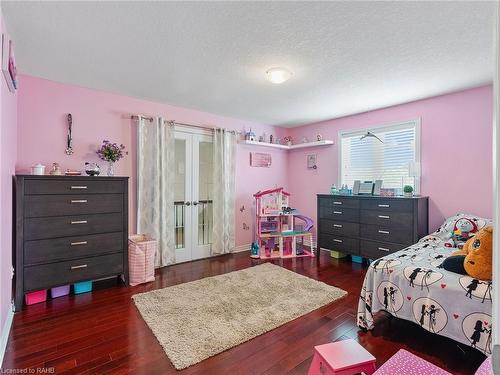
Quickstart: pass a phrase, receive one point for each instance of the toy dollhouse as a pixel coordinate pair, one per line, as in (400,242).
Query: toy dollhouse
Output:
(278,234)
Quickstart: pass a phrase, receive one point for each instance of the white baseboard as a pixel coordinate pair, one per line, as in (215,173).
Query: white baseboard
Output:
(5,333)
(308,243)
(244,247)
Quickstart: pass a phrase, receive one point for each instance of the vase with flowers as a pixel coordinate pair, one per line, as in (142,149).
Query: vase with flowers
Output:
(111,152)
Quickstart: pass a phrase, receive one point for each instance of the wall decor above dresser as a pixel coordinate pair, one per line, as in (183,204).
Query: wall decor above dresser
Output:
(68,229)
(370,226)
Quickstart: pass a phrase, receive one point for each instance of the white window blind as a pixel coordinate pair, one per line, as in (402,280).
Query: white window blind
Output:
(368,159)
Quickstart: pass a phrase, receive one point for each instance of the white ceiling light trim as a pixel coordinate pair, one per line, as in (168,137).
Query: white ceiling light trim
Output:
(278,75)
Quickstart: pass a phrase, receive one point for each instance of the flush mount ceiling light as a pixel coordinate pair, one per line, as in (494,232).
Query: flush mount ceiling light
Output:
(278,75)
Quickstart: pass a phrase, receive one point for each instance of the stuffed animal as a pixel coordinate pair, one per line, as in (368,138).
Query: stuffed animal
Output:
(475,258)
(479,258)
(463,229)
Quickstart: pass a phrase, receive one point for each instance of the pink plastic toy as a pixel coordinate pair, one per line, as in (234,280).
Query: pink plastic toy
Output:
(275,232)
(345,357)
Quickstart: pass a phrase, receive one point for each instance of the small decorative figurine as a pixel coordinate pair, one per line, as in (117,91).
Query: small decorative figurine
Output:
(271,138)
(288,140)
(56,170)
(254,252)
(319,137)
(305,140)
(92,169)
(250,136)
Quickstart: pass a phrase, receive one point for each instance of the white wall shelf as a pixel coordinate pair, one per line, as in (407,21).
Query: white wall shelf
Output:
(325,142)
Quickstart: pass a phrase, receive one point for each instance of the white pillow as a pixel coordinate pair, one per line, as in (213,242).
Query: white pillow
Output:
(449,223)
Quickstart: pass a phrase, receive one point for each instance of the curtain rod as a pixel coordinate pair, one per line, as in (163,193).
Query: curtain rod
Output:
(149,118)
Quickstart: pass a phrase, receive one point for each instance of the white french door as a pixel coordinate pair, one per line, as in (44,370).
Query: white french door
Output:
(193,195)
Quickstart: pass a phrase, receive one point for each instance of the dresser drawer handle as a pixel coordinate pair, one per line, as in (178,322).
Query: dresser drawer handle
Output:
(337,212)
(78,201)
(78,267)
(78,243)
(384,205)
(339,241)
(383,231)
(337,225)
(384,216)
(337,202)
(79,222)
(384,249)
(78,187)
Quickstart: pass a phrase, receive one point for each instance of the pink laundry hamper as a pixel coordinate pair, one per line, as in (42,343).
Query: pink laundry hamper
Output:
(141,259)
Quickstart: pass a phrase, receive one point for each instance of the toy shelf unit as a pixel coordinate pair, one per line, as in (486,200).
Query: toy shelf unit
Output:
(278,233)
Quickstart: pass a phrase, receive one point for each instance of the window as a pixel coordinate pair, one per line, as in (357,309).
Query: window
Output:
(394,161)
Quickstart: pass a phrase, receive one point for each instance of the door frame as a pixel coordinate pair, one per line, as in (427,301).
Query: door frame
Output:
(496,191)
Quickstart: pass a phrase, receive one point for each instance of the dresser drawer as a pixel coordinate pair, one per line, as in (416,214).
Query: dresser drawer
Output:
(67,248)
(375,250)
(338,202)
(339,243)
(65,226)
(340,228)
(339,214)
(387,219)
(388,205)
(386,234)
(49,275)
(63,205)
(66,185)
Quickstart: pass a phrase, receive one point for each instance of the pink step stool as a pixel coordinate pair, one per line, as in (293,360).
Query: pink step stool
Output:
(345,357)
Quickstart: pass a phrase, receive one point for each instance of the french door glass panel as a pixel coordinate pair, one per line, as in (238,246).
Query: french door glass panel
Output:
(193,196)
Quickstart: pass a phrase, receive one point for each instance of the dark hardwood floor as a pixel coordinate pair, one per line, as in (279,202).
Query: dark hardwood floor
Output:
(102,332)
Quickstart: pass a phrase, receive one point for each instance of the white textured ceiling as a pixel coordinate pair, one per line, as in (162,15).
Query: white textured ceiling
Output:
(347,57)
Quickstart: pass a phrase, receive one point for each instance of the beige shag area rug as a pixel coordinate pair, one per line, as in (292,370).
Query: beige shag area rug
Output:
(196,320)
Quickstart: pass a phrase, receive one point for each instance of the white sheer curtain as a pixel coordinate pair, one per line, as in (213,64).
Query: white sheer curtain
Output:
(155,186)
(224,191)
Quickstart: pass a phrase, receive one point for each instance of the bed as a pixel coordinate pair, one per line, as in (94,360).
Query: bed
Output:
(410,285)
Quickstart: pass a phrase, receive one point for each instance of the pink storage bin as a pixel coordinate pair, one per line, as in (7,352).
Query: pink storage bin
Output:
(59,291)
(36,297)
(141,259)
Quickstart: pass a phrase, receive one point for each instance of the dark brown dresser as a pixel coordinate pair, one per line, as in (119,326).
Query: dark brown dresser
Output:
(68,229)
(370,226)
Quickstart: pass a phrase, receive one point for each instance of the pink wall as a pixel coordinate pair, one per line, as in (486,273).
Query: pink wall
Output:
(8,145)
(456,153)
(97,115)
(456,131)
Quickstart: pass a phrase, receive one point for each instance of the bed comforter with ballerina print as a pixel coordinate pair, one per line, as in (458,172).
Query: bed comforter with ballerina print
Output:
(410,284)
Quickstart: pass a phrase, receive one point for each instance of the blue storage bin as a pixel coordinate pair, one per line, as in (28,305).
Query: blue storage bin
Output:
(83,287)
(356,259)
